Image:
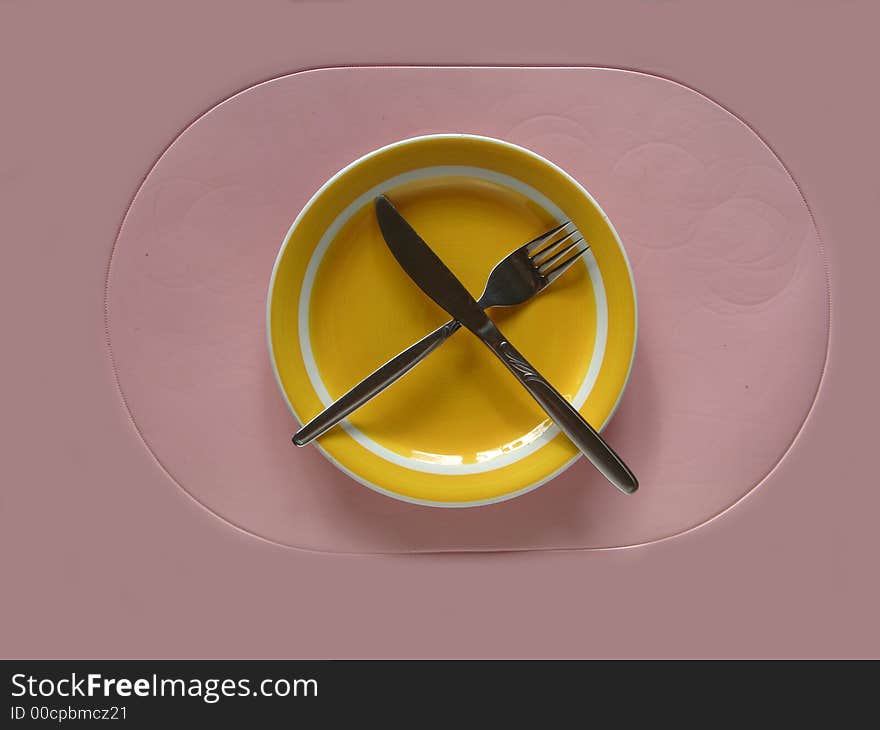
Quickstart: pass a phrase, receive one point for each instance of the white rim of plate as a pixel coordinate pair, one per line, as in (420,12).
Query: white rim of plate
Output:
(303,311)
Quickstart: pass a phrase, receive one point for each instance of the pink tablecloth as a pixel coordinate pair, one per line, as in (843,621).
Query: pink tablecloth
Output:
(103,555)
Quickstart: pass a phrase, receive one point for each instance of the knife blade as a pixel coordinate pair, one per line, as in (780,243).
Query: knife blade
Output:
(433,277)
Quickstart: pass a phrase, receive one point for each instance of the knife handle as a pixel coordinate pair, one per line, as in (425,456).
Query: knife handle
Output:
(572,423)
(374,384)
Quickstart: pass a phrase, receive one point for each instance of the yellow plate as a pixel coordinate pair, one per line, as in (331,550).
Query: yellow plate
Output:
(458,430)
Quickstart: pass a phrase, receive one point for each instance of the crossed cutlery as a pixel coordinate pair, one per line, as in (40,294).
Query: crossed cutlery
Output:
(514,280)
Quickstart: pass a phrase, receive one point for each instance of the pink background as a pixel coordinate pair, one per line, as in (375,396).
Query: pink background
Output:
(101,555)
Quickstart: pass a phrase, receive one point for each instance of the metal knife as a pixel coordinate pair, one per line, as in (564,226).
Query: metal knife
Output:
(433,277)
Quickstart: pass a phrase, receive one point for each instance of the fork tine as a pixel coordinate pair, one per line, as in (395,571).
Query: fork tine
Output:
(549,257)
(558,270)
(548,252)
(535,244)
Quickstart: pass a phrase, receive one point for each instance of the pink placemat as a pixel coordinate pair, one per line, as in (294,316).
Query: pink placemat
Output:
(730,274)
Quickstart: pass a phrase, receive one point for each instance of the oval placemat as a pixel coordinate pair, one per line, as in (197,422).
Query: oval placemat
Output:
(730,275)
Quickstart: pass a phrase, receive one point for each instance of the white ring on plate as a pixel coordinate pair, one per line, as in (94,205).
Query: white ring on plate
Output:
(492,460)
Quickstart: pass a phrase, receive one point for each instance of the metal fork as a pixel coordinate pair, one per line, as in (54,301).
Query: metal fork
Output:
(515,279)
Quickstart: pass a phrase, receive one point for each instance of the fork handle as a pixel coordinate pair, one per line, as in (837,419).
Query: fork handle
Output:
(374,383)
(572,423)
